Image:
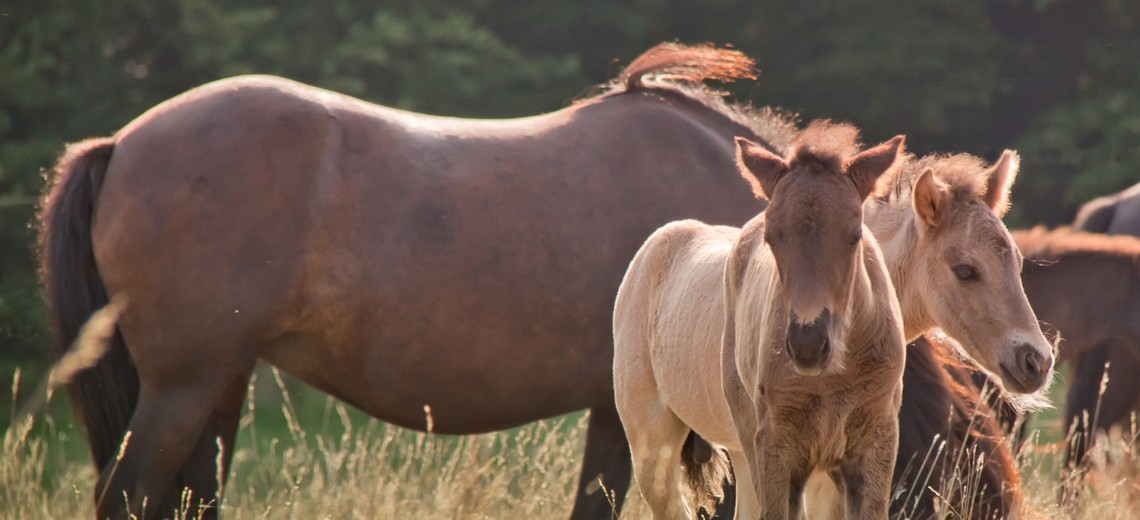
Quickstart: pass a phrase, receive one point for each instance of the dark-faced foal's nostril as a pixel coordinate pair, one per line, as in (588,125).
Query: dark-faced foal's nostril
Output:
(808,344)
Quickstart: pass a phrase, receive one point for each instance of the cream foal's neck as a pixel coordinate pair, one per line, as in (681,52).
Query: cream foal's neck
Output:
(896,229)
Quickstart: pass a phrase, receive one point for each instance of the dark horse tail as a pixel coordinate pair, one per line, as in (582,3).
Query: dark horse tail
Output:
(706,470)
(103,396)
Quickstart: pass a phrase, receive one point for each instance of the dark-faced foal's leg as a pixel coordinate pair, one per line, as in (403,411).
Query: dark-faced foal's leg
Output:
(607,459)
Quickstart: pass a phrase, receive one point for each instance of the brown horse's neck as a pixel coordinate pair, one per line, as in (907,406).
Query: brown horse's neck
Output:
(896,229)
(726,119)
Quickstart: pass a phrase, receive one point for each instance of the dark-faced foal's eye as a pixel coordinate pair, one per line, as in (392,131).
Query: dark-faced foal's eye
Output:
(856,238)
(965,272)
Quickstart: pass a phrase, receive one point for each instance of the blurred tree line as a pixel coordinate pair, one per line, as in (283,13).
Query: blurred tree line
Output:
(1058,80)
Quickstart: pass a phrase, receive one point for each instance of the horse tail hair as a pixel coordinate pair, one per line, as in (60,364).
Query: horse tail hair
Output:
(706,469)
(937,388)
(688,64)
(104,395)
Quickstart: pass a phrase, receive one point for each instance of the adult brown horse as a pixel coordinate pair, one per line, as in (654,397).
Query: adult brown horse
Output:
(391,259)
(1087,286)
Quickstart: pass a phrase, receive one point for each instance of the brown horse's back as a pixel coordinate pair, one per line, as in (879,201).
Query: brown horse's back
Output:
(393,259)
(1085,286)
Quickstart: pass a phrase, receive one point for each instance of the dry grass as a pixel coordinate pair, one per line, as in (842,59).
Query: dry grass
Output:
(365,470)
(370,470)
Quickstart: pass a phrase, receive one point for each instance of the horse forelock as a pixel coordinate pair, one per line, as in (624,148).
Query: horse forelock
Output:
(827,144)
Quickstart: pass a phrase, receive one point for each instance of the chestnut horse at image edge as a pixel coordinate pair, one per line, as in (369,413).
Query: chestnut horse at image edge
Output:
(388,258)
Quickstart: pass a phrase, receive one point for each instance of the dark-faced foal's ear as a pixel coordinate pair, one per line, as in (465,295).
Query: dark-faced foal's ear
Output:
(761,168)
(999,180)
(866,168)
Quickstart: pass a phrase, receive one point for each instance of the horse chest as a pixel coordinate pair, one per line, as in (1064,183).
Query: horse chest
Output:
(821,427)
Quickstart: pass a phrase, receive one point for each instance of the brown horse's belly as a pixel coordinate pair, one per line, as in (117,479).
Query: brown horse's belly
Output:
(474,386)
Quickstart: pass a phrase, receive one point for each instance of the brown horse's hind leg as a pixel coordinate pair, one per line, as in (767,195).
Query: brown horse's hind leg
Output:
(607,459)
(1081,401)
(200,474)
(1121,392)
(163,432)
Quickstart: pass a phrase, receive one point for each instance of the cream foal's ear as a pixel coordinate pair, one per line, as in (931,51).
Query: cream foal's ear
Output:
(761,168)
(999,180)
(931,199)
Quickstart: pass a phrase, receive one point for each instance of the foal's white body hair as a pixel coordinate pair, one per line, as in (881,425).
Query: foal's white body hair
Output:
(667,365)
(669,325)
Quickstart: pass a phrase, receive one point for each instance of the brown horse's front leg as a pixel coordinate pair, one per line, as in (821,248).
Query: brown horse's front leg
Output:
(606,468)
(867,477)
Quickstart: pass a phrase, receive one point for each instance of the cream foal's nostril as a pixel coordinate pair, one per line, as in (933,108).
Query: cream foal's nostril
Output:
(1033,365)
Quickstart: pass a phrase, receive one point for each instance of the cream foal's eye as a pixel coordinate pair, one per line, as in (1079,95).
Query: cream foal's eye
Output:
(965,272)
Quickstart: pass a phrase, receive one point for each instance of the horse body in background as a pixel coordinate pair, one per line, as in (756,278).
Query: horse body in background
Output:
(391,259)
(814,381)
(1116,214)
(1087,286)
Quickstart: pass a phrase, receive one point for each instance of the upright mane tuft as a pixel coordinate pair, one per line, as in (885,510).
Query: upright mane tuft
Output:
(673,69)
(827,144)
(691,64)
(962,173)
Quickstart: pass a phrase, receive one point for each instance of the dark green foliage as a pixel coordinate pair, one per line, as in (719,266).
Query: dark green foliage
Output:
(1056,79)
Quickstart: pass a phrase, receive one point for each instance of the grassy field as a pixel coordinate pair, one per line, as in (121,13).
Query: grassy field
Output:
(341,464)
